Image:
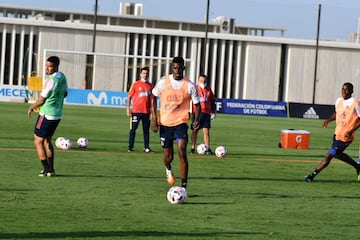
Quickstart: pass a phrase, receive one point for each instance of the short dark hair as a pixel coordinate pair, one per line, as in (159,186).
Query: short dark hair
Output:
(144,68)
(203,75)
(349,86)
(179,60)
(54,59)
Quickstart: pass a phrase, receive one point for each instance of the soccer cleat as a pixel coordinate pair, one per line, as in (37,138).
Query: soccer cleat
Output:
(170,177)
(186,193)
(130,150)
(148,150)
(308,178)
(192,151)
(46,174)
(209,152)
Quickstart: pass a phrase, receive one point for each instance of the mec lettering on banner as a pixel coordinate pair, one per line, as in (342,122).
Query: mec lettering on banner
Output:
(252,107)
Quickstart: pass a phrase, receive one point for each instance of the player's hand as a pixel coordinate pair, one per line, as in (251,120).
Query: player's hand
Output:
(128,112)
(154,126)
(196,125)
(348,134)
(29,112)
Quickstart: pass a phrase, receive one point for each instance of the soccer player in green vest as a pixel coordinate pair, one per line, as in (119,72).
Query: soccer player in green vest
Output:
(50,102)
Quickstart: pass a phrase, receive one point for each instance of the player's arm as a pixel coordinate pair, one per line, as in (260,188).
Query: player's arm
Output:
(153,114)
(45,93)
(330,119)
(196,115)
(39,102)
(128,110)
(356,126)
(196,102)
(357,123)
(128,102)
(213,109)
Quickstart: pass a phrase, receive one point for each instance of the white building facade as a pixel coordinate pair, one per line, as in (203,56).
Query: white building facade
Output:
(241,61)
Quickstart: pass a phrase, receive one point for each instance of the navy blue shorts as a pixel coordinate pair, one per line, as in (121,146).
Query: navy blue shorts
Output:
(204,120)
(169,134)
(45,128)
(338,146)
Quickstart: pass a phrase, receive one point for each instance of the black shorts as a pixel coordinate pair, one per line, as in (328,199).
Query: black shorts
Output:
(338,146)
(204,120)
(44,127)
(169,134)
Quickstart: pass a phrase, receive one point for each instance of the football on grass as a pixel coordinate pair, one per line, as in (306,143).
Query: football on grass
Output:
(63,143)
(220,151)
(82,142)
(59,141)
(176,195)
(201,148)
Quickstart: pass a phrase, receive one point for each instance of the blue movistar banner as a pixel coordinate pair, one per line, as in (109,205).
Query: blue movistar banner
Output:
(251,107)
(96,98)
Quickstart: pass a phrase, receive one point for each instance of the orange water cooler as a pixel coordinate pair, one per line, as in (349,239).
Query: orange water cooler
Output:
(297,139)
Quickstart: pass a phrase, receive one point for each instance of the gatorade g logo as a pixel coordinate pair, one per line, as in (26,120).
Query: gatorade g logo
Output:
(101,99)
(298,138)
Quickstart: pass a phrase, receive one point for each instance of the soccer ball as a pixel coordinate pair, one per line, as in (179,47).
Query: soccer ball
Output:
(176,195)
(59,141)
(201,149)
(220,151)
(66,144)
(82,142)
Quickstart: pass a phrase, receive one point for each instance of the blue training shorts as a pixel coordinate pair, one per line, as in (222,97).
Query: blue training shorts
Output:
(44,127)
(169,134)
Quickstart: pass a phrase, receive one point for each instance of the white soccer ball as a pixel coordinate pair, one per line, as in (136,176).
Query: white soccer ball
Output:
(201,148)
(82,142)
(220,151)
(176,195)
(59,141)
(66,144)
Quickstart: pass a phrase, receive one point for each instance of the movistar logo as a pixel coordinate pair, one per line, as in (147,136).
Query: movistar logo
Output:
(101,99)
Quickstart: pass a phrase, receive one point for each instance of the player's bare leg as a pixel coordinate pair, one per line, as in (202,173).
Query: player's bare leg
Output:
(194,134)
(49,148)
(184,164)
(168,158)
(41,152)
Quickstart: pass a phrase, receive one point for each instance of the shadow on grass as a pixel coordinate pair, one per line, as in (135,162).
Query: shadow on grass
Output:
(225,178)
(105,234)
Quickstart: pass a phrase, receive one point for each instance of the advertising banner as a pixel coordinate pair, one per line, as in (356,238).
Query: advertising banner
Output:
(252,107)
(310,111)
(14,93)
(96,98)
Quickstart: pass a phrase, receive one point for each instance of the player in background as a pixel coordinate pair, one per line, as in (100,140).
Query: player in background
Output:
(208,113)
(175,92)
(51,104)
(140,97)
(347,117)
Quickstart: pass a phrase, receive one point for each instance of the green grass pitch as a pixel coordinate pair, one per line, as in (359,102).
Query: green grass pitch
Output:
(103,192)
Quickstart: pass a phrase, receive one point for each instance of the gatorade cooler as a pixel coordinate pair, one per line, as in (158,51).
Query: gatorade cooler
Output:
(298,139)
